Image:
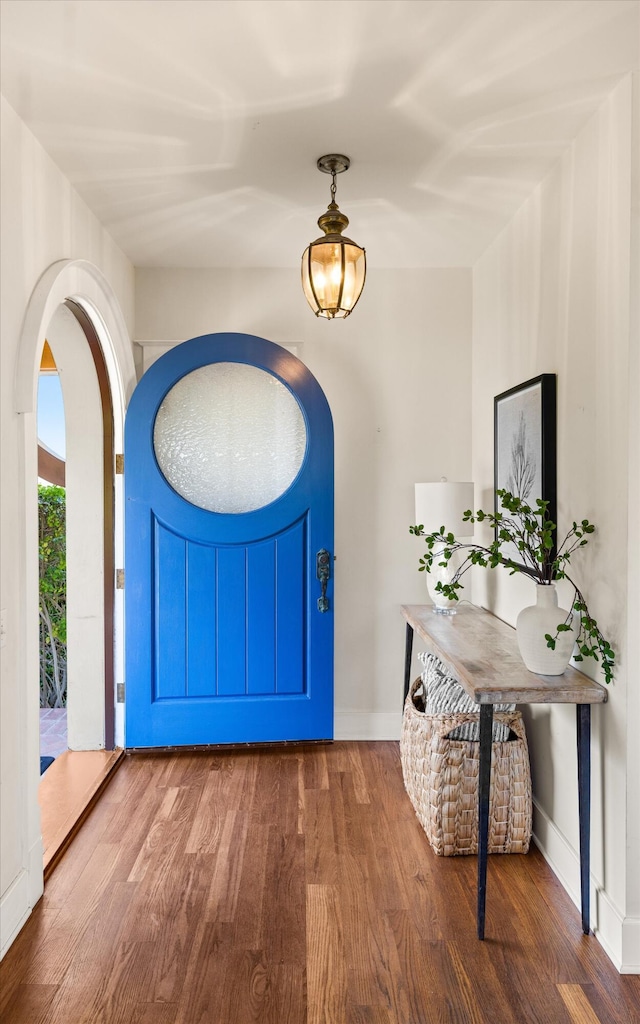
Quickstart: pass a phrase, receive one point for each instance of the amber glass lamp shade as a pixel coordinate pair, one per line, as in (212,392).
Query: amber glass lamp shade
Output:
(333,268)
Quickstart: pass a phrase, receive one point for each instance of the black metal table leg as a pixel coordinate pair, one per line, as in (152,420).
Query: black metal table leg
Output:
(484,786)
(584,805)
(408,651)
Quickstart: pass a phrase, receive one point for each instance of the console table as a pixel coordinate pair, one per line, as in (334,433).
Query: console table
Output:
(483,652)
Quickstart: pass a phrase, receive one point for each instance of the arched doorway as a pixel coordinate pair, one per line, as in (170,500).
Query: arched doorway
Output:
(52,562)
(77,357)
(79,283)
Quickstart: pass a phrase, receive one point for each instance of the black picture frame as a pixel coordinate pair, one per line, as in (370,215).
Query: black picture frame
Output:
(524,458)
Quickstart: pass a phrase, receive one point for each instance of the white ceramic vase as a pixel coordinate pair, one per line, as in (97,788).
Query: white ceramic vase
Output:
(534,622)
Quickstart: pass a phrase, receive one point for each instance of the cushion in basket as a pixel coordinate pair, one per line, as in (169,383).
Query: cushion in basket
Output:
(443,694)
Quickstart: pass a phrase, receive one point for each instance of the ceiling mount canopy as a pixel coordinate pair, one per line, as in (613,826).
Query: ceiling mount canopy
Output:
(333,267)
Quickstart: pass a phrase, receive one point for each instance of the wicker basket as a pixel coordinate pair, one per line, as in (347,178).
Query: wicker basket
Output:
(441,778)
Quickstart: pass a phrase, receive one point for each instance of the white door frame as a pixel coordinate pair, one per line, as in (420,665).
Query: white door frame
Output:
(83,283)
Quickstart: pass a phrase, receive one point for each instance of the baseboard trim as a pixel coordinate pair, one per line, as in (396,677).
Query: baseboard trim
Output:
(15,909)
(630,946)
(21,897)
(618,936)
(367,725)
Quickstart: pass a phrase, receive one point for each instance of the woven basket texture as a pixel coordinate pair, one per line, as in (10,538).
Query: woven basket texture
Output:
(441,778)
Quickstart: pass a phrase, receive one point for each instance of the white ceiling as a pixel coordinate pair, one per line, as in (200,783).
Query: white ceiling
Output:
(192,128)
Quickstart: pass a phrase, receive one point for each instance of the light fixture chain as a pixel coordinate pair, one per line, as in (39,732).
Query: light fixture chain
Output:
(333,186)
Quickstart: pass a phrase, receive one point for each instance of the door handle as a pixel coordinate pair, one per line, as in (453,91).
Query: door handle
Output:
(323,573)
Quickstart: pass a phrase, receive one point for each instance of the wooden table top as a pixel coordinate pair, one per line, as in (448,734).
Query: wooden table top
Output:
(483,652)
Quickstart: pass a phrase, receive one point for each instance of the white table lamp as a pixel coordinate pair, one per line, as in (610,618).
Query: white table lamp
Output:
(443,504)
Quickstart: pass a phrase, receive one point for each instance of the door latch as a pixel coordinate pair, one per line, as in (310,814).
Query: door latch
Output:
(323,573)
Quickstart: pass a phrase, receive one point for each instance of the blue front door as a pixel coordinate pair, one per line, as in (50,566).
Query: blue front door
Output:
(229,530)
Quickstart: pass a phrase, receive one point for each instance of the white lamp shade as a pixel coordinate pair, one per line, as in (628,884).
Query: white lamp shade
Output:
(444,504)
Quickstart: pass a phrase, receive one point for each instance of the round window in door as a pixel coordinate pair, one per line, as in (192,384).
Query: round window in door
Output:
(230,437)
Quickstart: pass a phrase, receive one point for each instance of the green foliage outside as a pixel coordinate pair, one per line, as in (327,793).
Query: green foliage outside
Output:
(53,596)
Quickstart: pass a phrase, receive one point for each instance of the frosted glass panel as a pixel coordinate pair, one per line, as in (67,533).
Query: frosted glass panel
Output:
(230,437)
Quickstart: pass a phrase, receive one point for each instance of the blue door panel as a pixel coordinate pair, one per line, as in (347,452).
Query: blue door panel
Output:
(261,618)
(231,620)
(169,593)
(200,616)
(224,639)
(290,624)
(244,614)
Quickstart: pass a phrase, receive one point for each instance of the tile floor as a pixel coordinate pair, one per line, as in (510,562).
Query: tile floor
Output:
(53,731)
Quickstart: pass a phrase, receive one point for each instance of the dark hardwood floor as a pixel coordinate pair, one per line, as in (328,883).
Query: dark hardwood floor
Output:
(292,885)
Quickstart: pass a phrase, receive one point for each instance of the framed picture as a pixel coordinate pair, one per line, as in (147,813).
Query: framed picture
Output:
(525,443)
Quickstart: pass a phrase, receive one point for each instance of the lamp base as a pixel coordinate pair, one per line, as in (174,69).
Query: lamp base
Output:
(441,574)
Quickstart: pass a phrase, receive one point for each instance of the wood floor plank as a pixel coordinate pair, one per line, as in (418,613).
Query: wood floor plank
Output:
(23,951)
(579,1007)
(88,991)
(482,970)
(154,1013)
(222,898)
(278,790)
(572,958)
(326,973)
(341,795)
(176,912)
(252,991)
(370,1015)
(606,1004)
(315,766)
(559,911)
(358,775)
(374,972)
(80,853)
(206,825)
(111,997)
(289,990)
(237,779)
(247,996)
(294,885)
(320,851)
(385,869)
(283,923)
(28,1004)
(67,936)
(301,792)
(414,982)
(156,837)
(250,913)
(208,966)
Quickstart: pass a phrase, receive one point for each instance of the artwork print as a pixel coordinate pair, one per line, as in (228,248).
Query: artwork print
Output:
(525,443)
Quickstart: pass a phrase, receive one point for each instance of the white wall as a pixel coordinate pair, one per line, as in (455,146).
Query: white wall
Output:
(397,377)
(553,294)
(43,221)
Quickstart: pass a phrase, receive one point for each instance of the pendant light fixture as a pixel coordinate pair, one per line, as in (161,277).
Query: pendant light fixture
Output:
(333,267)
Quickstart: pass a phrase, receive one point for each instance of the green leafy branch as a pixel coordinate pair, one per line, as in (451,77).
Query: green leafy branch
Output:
(532,533)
